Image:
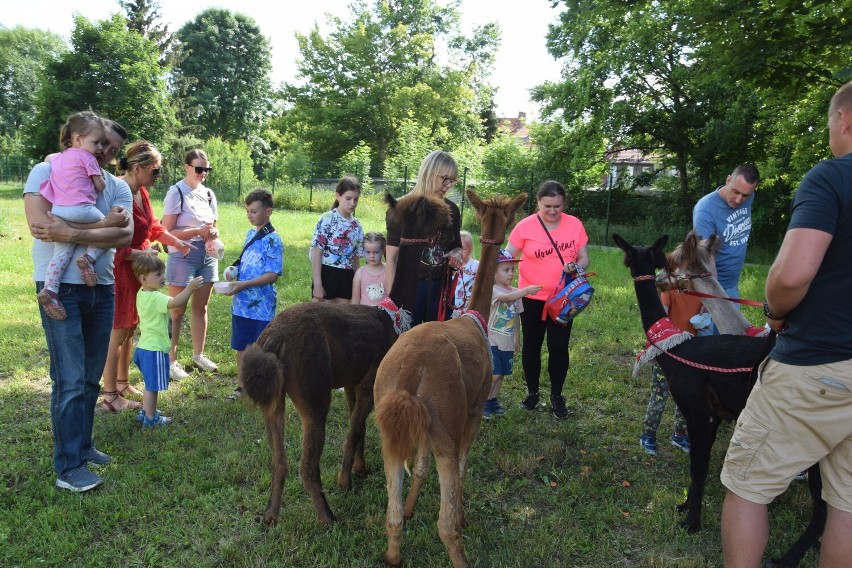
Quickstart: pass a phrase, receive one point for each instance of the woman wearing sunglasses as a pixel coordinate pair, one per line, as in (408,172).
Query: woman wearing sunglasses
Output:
(141,168)
(190,212)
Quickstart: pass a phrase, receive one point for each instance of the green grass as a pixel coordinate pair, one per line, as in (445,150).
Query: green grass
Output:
(540,492)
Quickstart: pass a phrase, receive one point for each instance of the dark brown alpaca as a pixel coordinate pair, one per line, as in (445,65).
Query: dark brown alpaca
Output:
(310,349)
(430,390)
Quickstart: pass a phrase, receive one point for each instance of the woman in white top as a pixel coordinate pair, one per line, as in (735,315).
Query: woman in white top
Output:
(190,212)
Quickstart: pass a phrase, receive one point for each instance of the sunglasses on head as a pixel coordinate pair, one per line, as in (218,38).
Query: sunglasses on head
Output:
(202,170)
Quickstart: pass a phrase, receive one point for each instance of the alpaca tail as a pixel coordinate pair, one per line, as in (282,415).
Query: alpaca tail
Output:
(261,375)
(403,422)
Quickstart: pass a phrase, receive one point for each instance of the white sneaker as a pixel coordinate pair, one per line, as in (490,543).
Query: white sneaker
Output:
(176,372)
(203,363)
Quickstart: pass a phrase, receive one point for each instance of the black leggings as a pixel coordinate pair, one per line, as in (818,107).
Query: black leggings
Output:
(557,346)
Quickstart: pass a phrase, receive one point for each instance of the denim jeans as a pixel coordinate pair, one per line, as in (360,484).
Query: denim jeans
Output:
(77,347)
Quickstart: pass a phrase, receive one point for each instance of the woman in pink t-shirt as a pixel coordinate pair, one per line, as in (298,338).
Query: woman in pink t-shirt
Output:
(542,266)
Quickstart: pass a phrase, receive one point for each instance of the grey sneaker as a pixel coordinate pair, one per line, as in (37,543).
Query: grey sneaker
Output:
(78,480)
(176,372)
(96,457)
(204,363)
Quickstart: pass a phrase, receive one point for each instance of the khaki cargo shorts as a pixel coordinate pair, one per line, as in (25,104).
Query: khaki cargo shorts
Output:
(795,416)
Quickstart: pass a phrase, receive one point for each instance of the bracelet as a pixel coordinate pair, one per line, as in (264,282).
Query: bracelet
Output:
(770,315)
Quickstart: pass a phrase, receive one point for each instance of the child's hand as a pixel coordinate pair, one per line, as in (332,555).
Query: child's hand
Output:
(318,293)
(195,283)
(533,289)
(236,288)
(517,346)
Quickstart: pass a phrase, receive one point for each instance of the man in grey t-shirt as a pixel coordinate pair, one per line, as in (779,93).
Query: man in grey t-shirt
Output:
(78,344)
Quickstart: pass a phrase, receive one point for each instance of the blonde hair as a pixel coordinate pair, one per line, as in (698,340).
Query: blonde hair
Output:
(142,153)
(81,123)
(430,168)
(466,235)
(375,237)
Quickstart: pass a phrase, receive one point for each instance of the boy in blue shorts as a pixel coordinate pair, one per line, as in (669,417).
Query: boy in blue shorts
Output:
(504,327)
(155,324)
(253,275)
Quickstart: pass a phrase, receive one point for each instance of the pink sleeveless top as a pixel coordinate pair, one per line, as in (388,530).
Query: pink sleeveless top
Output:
(372,287)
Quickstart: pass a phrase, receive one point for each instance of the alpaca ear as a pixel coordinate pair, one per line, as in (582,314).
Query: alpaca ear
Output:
(517,203)
(474,199)
(621,243)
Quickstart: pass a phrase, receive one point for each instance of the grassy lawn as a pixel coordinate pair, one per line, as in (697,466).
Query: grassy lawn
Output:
(540,492)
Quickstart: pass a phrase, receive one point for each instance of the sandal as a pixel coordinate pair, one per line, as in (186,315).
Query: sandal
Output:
(51,305)
(126,388)
(237,394)
(87,271)
(109,407)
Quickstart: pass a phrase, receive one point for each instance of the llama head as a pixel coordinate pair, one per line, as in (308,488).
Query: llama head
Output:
(643,261)
(420,217)
(495,213)
(689,260)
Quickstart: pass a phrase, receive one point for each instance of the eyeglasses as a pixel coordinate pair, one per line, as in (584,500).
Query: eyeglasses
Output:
(202,170)
(447,180)
(156,171)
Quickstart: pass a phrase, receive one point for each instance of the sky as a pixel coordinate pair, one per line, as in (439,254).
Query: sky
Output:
(522,61)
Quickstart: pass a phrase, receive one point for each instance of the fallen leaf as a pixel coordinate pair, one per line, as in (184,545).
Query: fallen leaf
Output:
(585,470)
(582,452)
(553,484)
(539,458)
(625,483)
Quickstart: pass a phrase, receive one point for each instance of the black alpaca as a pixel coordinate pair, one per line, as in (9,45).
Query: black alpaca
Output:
(705,396)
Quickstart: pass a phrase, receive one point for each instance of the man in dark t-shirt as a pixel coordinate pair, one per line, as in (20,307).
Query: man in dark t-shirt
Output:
(800,411)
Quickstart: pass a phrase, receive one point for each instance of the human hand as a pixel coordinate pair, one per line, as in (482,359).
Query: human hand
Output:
(236,288)
(777,325)
(183,246)
(55,230)
(455,258)
(195,283)
(570,267)
(532,289)
(318,293)
(212,232)
(118,216)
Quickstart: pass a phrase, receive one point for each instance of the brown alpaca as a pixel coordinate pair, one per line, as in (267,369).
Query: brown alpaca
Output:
(312,348)
(430,390)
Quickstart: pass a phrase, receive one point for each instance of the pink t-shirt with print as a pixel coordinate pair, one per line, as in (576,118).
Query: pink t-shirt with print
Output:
(540,264)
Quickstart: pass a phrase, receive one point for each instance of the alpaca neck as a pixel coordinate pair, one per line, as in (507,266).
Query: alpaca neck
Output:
(650,306)
(483,282)
(725,314)
(404,288)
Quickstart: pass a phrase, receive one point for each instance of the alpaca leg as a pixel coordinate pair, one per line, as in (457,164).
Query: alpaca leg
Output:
(354,443)
(313,439)
(394,473)
(274,419)
(421,470)
(449,525)
(701,433)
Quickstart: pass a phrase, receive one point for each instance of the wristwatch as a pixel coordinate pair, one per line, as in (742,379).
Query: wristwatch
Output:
(770,315)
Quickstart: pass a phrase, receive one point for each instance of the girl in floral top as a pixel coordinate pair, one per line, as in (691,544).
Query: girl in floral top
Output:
(338,242)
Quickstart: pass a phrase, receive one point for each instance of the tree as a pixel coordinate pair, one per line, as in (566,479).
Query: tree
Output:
(370,75)
(111,70)
(142,17)
(631,73)
(223,73)
(24,54)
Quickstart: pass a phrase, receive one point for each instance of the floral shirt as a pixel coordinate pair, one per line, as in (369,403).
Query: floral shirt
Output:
(264,255)
(341,240)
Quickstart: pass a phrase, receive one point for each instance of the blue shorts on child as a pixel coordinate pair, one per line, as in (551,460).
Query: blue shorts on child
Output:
(155,368)
(503,361)
(245,331)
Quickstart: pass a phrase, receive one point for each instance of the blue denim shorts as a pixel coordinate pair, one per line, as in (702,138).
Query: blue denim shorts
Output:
(503,362)
(181,269)
(155,368)
(245,331)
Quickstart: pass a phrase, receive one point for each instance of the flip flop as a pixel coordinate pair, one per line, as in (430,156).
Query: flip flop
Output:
(51,305)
